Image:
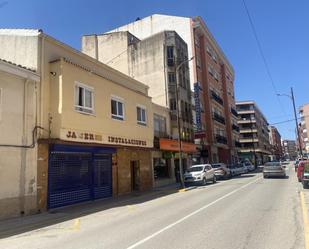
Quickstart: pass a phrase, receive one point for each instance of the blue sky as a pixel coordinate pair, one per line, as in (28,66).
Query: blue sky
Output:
(282,27)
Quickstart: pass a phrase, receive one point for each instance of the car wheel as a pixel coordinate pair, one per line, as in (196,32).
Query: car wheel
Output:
(265,176)
(204,181)
(214,180)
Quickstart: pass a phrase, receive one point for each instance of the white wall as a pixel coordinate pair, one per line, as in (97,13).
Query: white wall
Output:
(17,165)
(156,23)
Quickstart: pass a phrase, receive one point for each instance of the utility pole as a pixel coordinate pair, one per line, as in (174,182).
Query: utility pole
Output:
(182,184)
(297,129)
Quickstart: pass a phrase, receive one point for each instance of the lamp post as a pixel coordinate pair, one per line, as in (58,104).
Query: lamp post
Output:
(182,184)
(291,97)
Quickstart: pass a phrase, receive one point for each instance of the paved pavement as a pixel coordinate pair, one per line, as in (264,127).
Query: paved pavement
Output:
(244,212)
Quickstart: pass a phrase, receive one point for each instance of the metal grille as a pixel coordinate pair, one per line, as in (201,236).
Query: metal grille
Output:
(102,176)
(77,176)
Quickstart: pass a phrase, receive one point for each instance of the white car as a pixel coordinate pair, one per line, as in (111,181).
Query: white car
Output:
(249,166)
(200,174)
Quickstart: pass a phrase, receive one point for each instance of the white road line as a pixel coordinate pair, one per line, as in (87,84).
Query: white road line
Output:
(190,215)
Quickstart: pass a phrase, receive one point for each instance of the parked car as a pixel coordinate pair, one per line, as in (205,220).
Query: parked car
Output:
(221,171)
(273,169)
(236,169)
(249,166)
(300,170)
(243,168)
(305,176)
(200,174)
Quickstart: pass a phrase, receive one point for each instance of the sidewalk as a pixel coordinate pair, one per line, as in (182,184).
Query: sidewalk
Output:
(24,224)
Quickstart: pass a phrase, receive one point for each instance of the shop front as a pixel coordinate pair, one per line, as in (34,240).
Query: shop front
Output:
(166,160)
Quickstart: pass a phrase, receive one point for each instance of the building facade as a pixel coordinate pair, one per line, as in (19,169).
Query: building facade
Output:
(275,142)
(304,127)
(98,123)
(18,150)
(289,149)
(211,77)
(254,133)
(154,61)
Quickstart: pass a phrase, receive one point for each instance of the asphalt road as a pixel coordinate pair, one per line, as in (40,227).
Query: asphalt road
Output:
(244,212)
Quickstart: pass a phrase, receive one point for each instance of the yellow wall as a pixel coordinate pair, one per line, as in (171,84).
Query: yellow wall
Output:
(64,116)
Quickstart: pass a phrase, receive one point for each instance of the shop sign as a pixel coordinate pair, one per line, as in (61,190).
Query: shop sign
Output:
(198,110)
(91,137)
(173,145)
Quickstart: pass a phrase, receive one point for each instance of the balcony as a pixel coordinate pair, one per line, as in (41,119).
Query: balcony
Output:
(235,127)
(234,112)
(221,139)
(218,118)
(170,62)
(237,144)
(246,121)
(216,97)
(248,140)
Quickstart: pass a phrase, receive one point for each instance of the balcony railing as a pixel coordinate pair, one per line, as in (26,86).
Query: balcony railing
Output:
(237,144)
(216,97)
(234,112)
(218,118)
(235,127)
(221,139)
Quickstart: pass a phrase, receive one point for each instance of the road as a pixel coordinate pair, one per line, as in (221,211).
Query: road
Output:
(244,212)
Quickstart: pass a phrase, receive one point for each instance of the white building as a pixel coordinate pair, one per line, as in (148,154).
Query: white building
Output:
(18,115)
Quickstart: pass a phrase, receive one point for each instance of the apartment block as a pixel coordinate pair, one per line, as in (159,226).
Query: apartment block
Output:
(254,133)
(304,127)
(212,79)
(289,149)
(275,142)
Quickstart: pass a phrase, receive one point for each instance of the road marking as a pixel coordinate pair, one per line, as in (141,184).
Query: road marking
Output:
(305,217)
(76,225)
(191,214)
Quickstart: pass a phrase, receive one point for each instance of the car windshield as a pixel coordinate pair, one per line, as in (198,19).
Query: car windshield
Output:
(216,165)
(272,164)
(195,169)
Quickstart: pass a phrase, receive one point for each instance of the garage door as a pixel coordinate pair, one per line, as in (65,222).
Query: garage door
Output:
(75,177)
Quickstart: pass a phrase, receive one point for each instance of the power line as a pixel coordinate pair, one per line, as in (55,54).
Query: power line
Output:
(262,55)
(118,55)
(288,120)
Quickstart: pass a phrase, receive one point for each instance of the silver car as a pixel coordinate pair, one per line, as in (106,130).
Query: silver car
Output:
(273,169)
(221,171)
(200,174)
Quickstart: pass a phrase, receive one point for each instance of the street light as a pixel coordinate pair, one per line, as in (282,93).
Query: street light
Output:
(291,97)
(178,122)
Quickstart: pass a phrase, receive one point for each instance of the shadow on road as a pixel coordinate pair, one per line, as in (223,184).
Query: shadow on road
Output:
(29,223)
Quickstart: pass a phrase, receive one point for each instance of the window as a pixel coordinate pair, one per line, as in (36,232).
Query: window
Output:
(159,124)
(173,104)
(141,115)
(171,78)
(83,98)
(117,109)
(170,56)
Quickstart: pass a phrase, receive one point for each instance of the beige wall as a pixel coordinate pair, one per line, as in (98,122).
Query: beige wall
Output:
(17,165)
(65,117)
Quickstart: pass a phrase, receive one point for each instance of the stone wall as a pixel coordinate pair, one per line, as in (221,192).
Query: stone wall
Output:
(124,158)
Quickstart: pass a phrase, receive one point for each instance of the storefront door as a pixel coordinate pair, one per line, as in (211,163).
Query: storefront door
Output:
(78,174)
(135,176)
